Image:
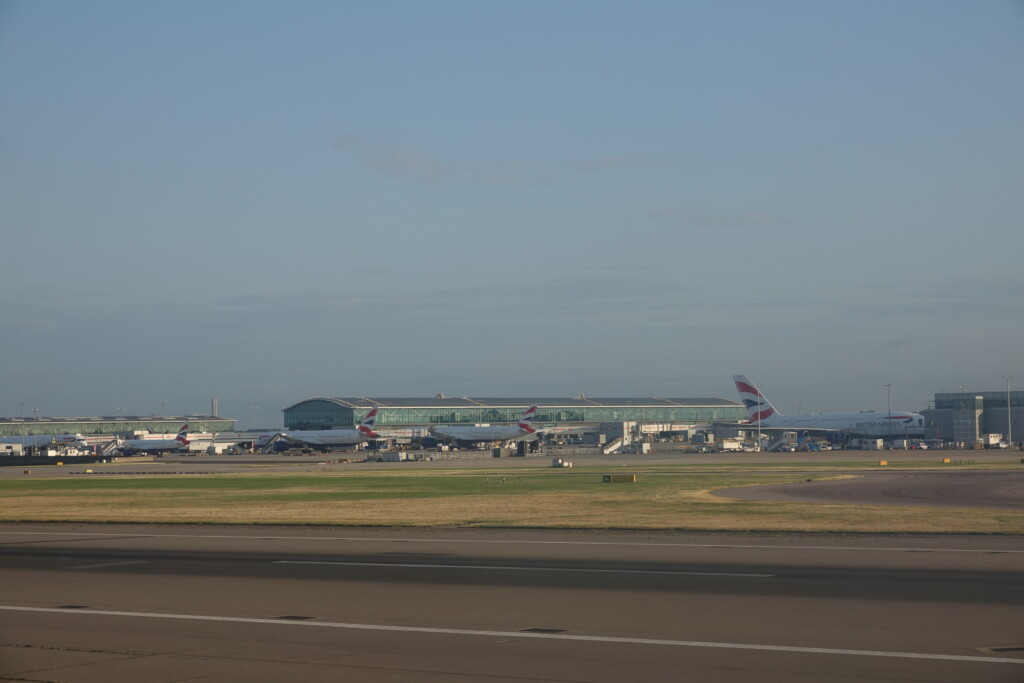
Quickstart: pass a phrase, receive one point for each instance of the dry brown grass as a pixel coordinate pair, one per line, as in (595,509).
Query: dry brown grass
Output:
(613,506)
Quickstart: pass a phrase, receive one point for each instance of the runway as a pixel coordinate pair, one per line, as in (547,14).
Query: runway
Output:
(91,603)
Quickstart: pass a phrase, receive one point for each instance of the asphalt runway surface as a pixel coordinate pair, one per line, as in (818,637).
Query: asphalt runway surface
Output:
(988,490)
(83,603)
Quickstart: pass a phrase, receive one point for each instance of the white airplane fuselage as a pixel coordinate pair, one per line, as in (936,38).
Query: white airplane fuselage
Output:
(336,437)
(327,437)
(477,434)
(151,445)
(886,425)
(481,433)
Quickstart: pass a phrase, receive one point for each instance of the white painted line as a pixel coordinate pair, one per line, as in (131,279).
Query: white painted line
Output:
(523,569)
(519,542)
(521,634)
(108,564)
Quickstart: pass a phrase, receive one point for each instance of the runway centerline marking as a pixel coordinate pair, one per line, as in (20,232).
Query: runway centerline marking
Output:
(523,635)
(108,564)
(524,569)
(627,544)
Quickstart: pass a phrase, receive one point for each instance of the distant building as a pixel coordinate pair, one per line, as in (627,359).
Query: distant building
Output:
(88,426)
(965,416)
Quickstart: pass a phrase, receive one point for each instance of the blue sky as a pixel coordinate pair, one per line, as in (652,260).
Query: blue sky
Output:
(269,201)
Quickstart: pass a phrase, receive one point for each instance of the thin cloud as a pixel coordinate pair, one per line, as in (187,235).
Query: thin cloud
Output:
(376,271)
(409,163)
(394,159)
(274,301)
(570,297)
(611,163)
(720,221)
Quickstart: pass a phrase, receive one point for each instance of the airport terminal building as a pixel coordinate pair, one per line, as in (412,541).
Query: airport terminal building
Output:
(124,424)
(328,413)
(966,416)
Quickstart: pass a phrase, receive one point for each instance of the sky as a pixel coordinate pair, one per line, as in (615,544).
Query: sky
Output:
(265,202)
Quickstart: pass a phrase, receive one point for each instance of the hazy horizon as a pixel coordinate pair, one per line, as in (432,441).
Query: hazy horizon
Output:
(265,202)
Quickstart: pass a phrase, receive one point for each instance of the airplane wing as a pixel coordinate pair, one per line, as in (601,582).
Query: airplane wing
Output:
(303,441)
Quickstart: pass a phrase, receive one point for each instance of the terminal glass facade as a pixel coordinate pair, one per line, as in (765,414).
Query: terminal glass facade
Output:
(115,425)
(967,400)
(328,413)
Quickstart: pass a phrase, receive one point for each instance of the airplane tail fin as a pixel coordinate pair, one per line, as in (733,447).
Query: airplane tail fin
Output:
(526,421)
(366,426)
(182,437)
(758,407)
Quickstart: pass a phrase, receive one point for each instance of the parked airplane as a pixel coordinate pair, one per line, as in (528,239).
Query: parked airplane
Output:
(155,445)
(888,425)
(325,438)
(43,440)
(474,434)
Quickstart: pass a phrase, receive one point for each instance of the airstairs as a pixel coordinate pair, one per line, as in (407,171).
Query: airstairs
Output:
(612,446)
(788,441)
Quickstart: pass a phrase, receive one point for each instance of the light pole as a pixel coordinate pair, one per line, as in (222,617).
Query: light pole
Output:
(34,450)
(758,387)
(888,407)
(1009,415)
(254,409)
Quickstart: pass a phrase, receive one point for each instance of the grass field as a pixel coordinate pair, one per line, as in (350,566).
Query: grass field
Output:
(472,498)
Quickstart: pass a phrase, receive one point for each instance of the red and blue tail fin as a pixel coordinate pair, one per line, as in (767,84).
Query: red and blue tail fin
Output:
(526,421)
(182,436)
(758,407)
(366,426)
